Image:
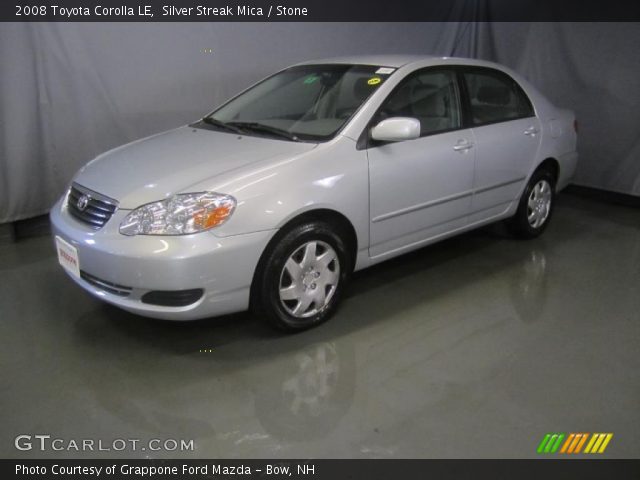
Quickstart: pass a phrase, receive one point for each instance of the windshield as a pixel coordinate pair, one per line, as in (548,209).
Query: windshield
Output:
(308,102)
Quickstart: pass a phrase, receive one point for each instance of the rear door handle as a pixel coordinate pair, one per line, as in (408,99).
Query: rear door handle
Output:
(462,145)
(531,131)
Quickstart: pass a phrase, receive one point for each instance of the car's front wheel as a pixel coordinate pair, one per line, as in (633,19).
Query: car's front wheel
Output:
(301,279)
(536,205)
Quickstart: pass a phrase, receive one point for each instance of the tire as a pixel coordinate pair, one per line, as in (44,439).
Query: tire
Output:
(302,276)
(535,207)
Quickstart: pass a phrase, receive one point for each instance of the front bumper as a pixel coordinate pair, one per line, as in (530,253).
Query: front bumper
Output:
(222,266)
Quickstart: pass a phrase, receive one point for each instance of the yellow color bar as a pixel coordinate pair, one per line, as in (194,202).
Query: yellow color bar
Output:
(598,442)
(591,442)
(606,441)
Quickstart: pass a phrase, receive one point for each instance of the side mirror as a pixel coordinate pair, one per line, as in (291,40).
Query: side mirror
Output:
(396,129)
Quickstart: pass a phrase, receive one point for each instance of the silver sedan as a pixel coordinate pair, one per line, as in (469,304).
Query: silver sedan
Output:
(271,201)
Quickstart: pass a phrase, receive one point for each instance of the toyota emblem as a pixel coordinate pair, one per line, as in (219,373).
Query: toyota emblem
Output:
(83,201)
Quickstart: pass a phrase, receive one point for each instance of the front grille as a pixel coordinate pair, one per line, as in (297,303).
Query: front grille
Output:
(113,288)
(90,207)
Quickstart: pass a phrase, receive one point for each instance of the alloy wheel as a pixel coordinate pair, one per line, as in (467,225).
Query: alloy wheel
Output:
(539,204)
(309,279)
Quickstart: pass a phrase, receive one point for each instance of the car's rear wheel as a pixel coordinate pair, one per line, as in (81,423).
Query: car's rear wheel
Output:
(301,279)
(536,206)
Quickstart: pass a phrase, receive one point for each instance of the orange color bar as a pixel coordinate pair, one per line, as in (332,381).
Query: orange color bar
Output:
(567,443)
(574,443)
(584,439)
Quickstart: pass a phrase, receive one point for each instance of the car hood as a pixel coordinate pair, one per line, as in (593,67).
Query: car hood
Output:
(160,166)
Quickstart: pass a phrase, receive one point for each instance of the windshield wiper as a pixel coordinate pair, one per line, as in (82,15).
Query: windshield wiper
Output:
(219,124)
(260,127)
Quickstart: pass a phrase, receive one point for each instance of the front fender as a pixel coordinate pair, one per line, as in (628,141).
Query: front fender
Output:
(333,176)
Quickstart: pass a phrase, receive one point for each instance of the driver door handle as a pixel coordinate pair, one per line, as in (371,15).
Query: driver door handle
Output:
(531,131)
(462,145)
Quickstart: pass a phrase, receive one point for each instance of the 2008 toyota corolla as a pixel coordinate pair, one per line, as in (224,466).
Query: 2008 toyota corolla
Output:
(271,201)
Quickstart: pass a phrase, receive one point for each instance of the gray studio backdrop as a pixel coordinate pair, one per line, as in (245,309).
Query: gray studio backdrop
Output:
(69,91)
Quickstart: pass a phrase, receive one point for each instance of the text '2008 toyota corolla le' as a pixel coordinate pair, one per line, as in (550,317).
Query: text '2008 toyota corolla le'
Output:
(327,167)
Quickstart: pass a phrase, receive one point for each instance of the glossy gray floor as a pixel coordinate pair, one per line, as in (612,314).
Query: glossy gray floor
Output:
(475,347)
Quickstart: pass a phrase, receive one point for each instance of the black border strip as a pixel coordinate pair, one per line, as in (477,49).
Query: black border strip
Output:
(339,10)
(583,469)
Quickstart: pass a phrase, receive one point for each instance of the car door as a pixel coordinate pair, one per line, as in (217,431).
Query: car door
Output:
(421,189)
(507,135)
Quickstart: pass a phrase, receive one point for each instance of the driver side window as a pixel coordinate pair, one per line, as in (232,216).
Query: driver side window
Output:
(430,96)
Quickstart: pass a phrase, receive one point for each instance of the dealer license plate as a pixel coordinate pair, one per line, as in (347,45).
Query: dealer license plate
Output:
(68,257)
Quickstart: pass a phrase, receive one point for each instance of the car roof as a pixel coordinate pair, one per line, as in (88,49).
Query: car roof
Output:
(398,61)
(377,60)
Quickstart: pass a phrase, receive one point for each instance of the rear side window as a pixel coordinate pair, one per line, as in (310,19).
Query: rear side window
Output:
(495,97)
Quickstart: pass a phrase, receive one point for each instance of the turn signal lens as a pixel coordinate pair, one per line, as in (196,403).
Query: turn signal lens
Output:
(205,220)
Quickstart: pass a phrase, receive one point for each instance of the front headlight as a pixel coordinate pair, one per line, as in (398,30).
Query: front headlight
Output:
(179,215)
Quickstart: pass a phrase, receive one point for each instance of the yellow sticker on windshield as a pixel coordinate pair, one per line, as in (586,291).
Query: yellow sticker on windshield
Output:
(374,81)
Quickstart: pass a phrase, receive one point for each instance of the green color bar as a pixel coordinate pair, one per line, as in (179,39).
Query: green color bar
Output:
(543,443)
(554,449)
(547,448)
